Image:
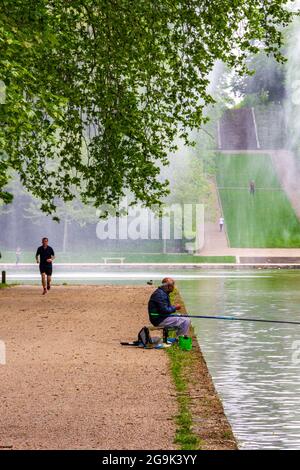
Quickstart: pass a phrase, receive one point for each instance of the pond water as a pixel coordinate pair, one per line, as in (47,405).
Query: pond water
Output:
(251,363)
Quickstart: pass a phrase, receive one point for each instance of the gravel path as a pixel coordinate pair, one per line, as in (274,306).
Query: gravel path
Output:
(68,384)
(214,240)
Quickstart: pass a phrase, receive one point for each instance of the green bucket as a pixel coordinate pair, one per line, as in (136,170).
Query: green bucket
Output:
(185,343)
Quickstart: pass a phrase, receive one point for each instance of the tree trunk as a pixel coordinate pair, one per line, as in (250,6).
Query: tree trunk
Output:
(65,237)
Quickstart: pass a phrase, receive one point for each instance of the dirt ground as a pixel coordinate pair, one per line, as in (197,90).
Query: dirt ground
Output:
(67,382)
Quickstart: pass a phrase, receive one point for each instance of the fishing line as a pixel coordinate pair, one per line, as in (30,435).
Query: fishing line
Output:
(218,317)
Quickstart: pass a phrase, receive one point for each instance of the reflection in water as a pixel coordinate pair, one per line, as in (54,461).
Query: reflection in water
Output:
(251,363)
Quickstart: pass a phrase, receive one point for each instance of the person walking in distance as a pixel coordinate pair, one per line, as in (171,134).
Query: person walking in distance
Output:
(252,187)
(45,256)
(221,223)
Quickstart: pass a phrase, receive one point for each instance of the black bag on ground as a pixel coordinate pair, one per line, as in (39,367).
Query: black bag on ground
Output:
(144,337)
(144,340)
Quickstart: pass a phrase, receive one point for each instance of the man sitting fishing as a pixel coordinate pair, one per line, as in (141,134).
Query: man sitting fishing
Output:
(160,309)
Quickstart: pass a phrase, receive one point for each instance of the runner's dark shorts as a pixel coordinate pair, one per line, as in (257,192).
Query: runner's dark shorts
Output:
(47,269)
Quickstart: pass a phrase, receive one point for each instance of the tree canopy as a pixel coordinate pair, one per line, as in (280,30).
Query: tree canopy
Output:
(98,90)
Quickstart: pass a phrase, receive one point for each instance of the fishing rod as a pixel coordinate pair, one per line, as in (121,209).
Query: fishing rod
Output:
(218,317)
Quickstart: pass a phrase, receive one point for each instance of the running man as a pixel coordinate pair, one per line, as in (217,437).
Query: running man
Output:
(44,256)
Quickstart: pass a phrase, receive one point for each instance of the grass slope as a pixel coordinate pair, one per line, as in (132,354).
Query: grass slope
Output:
(97,257)
(265,220)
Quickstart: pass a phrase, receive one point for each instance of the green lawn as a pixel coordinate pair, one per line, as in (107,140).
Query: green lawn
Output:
(265,220)
(97,257)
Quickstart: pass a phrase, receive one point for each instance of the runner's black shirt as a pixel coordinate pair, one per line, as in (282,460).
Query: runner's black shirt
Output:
(44,253)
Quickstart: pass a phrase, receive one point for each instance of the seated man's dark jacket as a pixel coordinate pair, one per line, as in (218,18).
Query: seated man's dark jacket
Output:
(159,303)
